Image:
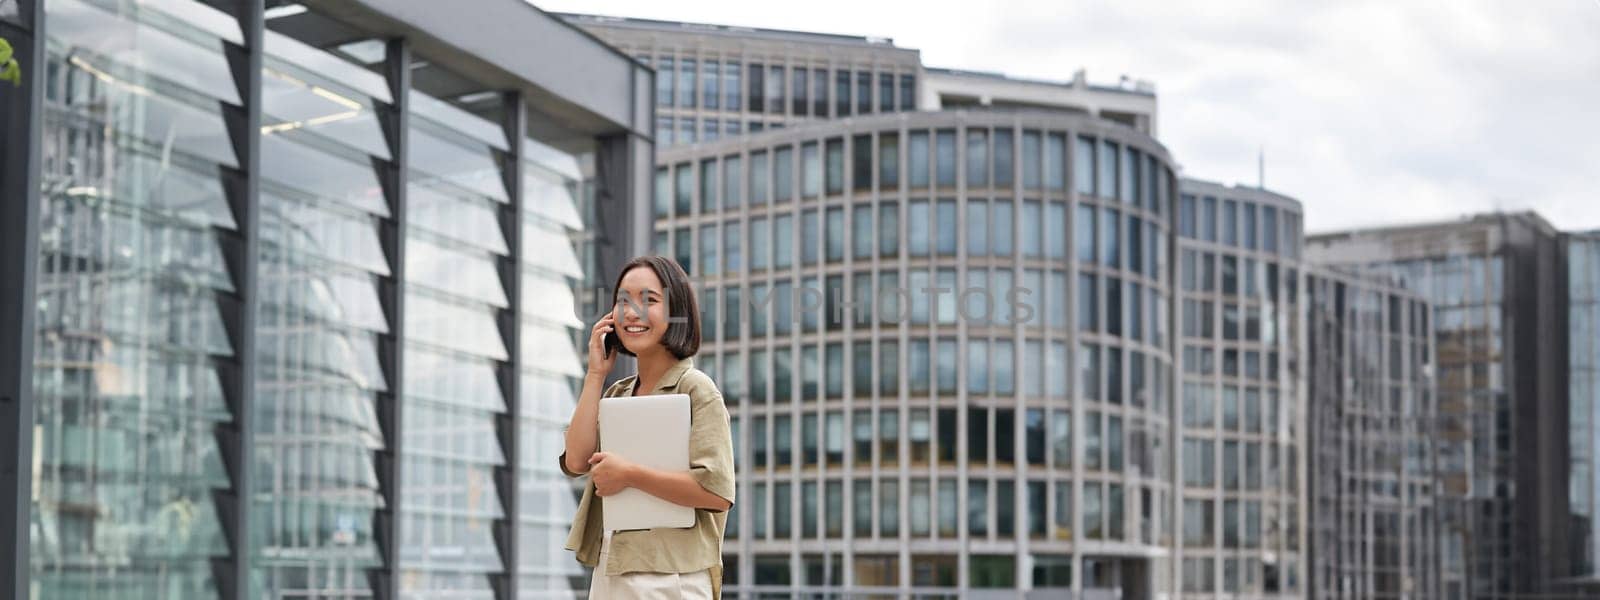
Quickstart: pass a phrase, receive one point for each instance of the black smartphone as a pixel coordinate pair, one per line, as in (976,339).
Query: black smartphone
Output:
(612,343)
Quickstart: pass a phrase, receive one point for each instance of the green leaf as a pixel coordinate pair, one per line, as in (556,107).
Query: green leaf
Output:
(5,51)
(11,73)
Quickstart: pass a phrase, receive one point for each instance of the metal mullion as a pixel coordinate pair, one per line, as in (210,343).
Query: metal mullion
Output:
(509,424)
(395,121)
(21,118)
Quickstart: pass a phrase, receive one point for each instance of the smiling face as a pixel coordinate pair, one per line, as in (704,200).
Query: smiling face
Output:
(641,311)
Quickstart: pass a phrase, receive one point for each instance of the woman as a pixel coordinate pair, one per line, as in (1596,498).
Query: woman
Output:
(657,320)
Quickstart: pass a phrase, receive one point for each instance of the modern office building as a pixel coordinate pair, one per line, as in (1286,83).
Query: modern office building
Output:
(288,294)
(1372,489)
(1241,392)
(1496,286)
(1582,256)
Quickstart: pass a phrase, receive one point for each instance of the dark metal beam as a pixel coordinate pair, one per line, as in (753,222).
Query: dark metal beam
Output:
(242,249)
(21,119)
(395,121)
(508,426)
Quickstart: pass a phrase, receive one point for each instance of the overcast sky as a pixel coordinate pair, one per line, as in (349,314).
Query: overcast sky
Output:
(1369,112)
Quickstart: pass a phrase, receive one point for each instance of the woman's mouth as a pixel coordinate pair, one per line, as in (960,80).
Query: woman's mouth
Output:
(634,329)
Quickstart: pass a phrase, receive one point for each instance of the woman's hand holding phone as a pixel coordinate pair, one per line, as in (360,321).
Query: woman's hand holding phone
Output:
(601,357)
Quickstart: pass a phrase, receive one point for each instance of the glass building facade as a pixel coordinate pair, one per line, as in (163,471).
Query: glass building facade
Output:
(380,247)
(1241,393)
(1583,371)
(946,362)
(1494,284)
(1373,491)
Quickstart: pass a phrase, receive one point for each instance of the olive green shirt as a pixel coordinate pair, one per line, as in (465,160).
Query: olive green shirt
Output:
(690,550)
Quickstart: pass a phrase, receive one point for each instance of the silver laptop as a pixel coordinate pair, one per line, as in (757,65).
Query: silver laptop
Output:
(651,431)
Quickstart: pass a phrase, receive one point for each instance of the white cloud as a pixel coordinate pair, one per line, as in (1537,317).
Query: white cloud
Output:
(1369,111)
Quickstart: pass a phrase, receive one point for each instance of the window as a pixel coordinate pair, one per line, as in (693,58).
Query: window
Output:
(783,241)
(819,93)
(921,508)
(1061,438)
(1003,155)
(1032,221)
(708,185)
(861,162)
(888,508)
(885,92)
(759,235)
(978,367)
(686,88)
(663,193)
(945,155)
(800,100)
(666,81)
(710,73)
(730,86)
(1247,227)
(1198,523)
(1186,216)
(731,170)
(1198,463)
(810,171)
(708,250)
(978,508)
(1083,165)
(1002,228)
(1269,229)
(836,234)
(758,178)
(757,88)
(863,93)
(918,158)
(977,158)
(1131,181)
(1055,162)
(947,435)
(1088,303)
(783,174)
(1055,224)
(947,508)
(683,176)
(918,433)
(1110,247)
(862,504)
(758,441)
(1208,219)
(861,232)
(888,367)
(888,435)
(977,227)
(917,223)
(888,228)
(1093,511)
(1089,371)
(683,249)
(782,440)
(1230,222)
(1113,306)
(908,96)
(1093,442)
(808,439)
(862,435)
(835,166)
(1030,160)
(841,93)
(1005,436)
(1086,233)
(888,161)
(1107,180)
(781,503)
(920,361)
(1033,442)
(948,368)
(775,89)
(833,434)
(731,307)
(947,227)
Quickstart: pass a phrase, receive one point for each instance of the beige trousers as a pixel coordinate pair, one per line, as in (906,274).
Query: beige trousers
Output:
(646,586)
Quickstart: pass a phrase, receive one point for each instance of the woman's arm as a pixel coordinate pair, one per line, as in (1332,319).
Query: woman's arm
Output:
(583,433)
(612,474)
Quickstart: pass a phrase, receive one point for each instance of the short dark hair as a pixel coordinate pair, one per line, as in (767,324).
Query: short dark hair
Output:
(683,309)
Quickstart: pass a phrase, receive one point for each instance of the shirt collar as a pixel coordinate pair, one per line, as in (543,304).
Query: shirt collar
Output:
(669,380)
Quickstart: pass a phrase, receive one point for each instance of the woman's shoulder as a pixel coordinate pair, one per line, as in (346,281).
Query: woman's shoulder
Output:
(698,384)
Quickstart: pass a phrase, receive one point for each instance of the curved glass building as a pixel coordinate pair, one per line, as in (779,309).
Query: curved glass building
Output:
(942,334)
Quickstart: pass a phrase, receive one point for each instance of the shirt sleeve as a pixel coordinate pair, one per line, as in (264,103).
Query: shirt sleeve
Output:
(610,391)
(711,441)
